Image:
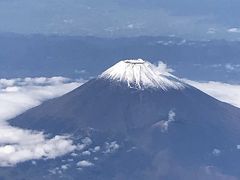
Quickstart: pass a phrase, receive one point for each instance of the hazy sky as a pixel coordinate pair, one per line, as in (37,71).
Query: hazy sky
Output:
(185,18)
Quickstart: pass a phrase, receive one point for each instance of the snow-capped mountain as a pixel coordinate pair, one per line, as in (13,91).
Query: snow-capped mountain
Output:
(157,126)
(140,74)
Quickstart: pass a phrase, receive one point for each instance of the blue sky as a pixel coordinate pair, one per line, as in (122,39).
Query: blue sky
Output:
(187,18)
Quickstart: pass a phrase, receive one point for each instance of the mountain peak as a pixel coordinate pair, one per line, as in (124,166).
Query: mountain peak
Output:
(140,74)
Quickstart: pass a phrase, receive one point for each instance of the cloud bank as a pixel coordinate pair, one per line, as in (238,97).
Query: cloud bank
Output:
(229,93)
(17,95)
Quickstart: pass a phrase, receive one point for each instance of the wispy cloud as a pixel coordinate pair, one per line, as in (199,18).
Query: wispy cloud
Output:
(229,93)
(232,67)
(212,31)
(234,30)
(212,173)
(162,68)
(164,124)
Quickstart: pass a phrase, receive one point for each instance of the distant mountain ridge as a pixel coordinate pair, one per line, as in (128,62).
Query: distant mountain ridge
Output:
(72,56)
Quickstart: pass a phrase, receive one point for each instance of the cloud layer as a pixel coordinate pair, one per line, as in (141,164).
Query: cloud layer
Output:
(229,93)
(120,17)
(16,96)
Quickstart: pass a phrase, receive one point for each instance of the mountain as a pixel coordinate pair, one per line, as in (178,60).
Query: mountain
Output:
(160,127)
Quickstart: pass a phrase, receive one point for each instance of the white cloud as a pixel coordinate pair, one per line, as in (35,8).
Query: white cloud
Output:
(65,166)
(38,147)
(164,125)
(84,163)
(17,95)
(229,93)
(163,68)
(216,152)
(130,26)
(56,170)
(232,67)
(86,153)
(234,30)
(111,147)
(87,141)
(229,67)
(96,149)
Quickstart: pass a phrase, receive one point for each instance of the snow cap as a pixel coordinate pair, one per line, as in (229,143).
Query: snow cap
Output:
(141,74)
